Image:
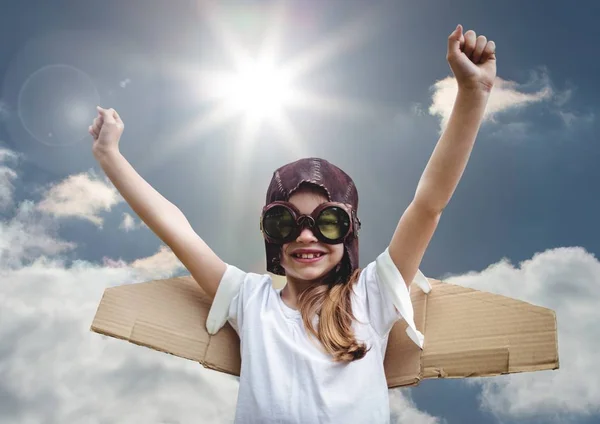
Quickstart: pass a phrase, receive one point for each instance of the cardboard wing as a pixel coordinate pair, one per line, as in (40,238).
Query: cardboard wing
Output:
(467,332)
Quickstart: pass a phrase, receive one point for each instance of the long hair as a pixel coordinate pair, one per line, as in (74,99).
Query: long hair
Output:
(332,303)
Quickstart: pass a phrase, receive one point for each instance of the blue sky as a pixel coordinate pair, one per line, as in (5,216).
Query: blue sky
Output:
(522,222)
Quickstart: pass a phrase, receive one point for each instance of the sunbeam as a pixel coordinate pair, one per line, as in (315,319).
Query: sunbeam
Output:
(259,88)
(349,36)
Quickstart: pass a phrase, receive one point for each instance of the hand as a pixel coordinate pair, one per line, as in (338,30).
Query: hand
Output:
(106,130)
(472,60)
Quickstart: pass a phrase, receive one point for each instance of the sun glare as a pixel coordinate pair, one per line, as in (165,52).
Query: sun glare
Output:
(259,89)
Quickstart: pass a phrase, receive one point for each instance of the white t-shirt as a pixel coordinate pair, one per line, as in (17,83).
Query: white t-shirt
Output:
(285,376)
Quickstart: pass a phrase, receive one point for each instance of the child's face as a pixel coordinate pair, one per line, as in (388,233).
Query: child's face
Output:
(329,255)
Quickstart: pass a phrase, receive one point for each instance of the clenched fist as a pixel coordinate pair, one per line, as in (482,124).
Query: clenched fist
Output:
(106,131)
(472,59)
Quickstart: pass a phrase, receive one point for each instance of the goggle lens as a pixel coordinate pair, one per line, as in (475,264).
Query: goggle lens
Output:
(278,222)
(332,224)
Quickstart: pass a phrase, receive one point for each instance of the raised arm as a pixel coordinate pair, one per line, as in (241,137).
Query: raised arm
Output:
(160,215)
(473,62)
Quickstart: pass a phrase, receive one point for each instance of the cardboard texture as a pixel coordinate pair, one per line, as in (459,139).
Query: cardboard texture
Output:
(468,333)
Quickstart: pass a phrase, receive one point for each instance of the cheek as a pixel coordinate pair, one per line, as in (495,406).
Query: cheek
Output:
(337,252)
(283,256)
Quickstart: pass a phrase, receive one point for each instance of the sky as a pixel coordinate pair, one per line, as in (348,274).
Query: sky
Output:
(373,92)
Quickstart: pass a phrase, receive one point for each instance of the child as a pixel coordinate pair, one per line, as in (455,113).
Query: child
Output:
(313,351)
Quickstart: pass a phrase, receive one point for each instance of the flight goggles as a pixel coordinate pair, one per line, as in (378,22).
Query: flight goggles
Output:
(331,222)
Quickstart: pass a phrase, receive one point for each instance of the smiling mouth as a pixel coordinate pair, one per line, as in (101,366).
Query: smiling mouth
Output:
(307,255)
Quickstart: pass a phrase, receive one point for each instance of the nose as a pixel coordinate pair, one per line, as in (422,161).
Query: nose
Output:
(306,236)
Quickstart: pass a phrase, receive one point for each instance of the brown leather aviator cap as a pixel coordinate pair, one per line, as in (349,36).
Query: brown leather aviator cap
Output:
(339,188)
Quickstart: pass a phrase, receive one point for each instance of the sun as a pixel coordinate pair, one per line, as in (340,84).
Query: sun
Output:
(256,86)
(261,89)
(258,89)
(245,89)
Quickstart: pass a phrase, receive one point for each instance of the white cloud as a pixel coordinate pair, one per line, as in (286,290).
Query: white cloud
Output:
(417,110)
(27,236)
(572,118)
(128,223)
(504,96)
(80,196)
(508,96)
(403,410)
(566,280)
(53,369)
(56,371)
(7,176)
(162,264)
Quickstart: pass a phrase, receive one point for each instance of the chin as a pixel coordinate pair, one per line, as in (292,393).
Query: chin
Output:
(309,274)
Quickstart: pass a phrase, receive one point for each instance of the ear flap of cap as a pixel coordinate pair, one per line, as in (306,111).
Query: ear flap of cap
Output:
(351,247)
(273,252)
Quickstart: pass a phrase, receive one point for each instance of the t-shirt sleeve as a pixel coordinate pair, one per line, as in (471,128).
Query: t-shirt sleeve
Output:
(235,289)
(387,298)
